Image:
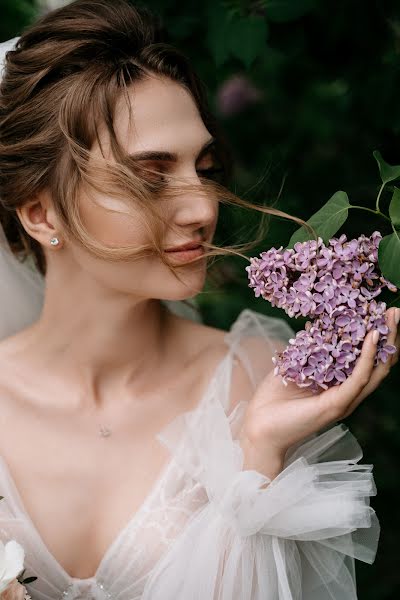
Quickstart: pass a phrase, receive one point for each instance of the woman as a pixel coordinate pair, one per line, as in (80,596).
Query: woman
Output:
(147,455)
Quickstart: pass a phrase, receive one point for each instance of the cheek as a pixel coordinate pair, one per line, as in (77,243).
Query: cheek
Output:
(111,228)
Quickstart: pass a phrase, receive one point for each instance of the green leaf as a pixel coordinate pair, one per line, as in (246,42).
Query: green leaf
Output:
(242,37)
(389,258)
(326,221)
(218,32)
(287,10)
(388,172)
(394,208)
(248,37)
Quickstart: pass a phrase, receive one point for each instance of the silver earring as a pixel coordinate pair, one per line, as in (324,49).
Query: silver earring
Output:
(54,241)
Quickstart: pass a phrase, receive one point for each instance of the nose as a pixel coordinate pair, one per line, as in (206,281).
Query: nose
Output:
(197,209)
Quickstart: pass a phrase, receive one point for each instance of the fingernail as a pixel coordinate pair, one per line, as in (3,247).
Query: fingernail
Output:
(397,316)
(375,336)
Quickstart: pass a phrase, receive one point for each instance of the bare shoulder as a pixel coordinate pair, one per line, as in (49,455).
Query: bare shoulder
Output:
(8,372)
(17,384)
(205,339)
(251,362)
(14,346)
(200,341)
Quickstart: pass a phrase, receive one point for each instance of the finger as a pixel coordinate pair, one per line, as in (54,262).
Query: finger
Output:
(393,327)
(383,368)
(338,399)
(395,356)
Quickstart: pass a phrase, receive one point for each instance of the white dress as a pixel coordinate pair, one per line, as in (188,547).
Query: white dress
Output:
(207,530)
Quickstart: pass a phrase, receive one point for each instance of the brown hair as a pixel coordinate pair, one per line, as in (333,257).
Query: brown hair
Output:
(77,61)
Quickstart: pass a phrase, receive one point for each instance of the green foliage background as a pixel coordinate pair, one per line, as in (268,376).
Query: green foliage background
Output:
(330,78)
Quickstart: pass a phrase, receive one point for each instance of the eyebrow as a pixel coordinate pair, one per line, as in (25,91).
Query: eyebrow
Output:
(168,156)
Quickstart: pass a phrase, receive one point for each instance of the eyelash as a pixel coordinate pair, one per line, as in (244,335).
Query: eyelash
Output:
(211,170)
(203,172)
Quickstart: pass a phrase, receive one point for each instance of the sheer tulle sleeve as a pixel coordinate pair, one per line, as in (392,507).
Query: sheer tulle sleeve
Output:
(294,539)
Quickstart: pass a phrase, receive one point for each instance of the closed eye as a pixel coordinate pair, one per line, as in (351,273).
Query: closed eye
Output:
(204,172)
(210,171)
(160,175)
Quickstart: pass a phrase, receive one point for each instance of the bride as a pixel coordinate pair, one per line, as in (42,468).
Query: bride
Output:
(145,455)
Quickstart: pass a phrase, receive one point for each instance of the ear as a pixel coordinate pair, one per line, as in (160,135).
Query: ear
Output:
(39,219)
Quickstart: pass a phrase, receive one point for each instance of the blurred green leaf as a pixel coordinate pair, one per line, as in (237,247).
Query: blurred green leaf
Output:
(243,37)
(248,37)
(218,33)
(326,221)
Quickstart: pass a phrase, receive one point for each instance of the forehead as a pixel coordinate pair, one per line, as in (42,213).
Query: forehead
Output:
(164,116)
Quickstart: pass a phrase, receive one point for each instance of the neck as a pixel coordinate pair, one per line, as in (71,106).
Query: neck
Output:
(99,345)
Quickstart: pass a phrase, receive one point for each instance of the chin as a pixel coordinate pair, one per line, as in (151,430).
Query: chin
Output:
(185,295)
(183,292)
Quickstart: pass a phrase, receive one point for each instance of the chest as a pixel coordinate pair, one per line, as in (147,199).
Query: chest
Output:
(80,489)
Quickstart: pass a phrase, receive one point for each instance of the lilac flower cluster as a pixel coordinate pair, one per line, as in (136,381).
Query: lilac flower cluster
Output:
(336,286)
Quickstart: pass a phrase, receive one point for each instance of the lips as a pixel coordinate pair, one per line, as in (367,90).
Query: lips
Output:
(190,246)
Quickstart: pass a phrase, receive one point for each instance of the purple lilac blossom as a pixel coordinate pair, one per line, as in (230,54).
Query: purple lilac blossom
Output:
(336,286)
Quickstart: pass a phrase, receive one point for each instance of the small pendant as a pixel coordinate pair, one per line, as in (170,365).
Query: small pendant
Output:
(104,431)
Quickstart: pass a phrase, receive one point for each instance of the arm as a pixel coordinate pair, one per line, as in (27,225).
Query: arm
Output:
(293,538)
(270,465)
(276,526)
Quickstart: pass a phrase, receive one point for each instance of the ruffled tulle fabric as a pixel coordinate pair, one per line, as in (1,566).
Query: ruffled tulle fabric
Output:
(292,538)
(209,530)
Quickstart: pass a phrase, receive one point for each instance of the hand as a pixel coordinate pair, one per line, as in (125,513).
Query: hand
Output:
(279,416)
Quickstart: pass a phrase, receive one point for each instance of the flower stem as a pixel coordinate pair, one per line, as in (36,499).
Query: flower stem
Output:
(378,197)
(375,212)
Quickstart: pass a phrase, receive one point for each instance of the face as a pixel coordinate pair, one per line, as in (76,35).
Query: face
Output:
(164,119)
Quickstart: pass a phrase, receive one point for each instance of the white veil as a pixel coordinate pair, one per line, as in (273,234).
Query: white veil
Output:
(22,285)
